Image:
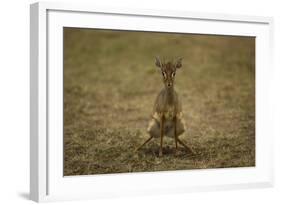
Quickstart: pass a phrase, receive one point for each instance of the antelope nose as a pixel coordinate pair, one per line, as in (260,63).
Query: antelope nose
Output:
(169,84)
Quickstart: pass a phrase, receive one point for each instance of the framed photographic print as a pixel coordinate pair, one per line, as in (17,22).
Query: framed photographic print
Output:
(129,101)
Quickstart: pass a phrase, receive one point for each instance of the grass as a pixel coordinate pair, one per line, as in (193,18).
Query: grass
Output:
(110,84)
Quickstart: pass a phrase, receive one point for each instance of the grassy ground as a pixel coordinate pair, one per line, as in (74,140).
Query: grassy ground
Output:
(110,84)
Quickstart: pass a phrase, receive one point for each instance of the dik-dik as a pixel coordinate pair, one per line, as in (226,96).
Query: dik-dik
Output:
(167,116)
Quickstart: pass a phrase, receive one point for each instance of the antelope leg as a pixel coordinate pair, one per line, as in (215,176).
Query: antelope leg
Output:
(175,134)
(185,146)
(161,135)
(146,141)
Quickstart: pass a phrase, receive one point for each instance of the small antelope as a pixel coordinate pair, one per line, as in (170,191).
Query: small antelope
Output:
(167,111)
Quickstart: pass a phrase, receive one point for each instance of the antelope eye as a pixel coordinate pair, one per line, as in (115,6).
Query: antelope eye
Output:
(173,74)
(164,74)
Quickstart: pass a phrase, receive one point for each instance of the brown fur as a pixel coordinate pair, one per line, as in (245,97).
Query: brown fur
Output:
(167,110)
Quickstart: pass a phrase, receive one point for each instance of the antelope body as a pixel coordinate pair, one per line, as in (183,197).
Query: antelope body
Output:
(167,116)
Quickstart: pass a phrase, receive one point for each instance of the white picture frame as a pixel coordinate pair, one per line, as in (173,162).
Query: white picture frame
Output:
(47,182)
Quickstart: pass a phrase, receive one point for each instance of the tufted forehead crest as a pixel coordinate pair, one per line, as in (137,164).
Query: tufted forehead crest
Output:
(169,65)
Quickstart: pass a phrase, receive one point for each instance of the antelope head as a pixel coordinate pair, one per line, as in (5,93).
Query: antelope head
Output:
(168,70)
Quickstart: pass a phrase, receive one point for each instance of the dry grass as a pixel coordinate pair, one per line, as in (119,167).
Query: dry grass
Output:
(110,83)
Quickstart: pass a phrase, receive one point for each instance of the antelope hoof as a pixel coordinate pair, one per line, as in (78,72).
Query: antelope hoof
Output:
(177,152)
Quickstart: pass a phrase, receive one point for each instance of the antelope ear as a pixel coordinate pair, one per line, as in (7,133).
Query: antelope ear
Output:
(178,63)
(157,62)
